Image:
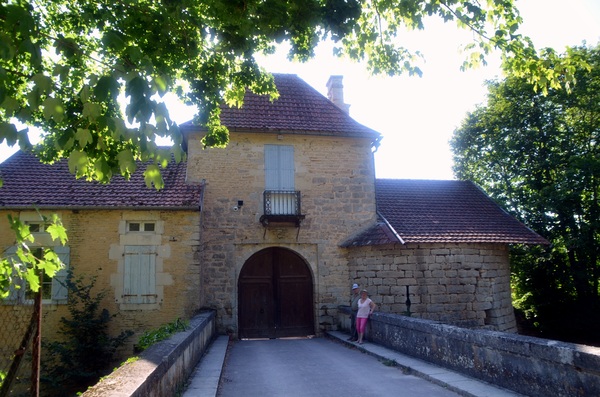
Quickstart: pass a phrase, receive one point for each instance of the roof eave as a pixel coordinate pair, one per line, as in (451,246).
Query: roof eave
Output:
(375,137)
(476,241)
(391,229)
(100,207)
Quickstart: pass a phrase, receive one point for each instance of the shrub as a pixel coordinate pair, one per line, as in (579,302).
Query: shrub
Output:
(85,353)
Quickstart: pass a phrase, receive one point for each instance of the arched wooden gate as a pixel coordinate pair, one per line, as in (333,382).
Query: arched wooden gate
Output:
(275,296)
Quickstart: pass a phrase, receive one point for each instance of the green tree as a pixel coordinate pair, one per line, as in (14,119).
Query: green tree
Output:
(65,63)
(538,156)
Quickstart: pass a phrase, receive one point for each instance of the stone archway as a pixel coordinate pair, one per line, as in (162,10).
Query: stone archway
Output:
(275,296)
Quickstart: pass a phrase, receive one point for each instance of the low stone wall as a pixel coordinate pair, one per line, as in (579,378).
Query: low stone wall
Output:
(163,368)
(530,366)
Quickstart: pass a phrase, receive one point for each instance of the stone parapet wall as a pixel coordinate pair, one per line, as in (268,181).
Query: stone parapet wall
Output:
(461,284)
(163,368)
(529,366)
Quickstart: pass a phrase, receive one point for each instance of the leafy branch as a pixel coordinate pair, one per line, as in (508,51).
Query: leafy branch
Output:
(24,263)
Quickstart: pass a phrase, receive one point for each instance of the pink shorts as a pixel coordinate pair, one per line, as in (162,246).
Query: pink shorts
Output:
(361,324)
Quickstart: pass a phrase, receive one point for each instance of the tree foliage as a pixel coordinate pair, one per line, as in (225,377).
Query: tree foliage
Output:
(538,156)
(24,263)
(64,64)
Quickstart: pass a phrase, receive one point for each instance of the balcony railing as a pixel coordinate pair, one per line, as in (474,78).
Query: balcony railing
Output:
(281,206)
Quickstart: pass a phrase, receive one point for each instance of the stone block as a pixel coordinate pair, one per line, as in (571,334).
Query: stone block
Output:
(479,306)
(440,298)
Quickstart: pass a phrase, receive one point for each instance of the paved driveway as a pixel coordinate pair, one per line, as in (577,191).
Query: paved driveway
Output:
(314,367)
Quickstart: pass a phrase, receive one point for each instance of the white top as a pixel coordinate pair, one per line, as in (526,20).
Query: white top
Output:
(364,308)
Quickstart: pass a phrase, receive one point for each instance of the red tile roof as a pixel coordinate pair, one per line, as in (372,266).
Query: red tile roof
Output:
(300,109)
(429,211)
(28,183)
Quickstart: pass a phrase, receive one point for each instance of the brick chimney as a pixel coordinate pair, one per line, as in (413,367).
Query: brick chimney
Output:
(335,93)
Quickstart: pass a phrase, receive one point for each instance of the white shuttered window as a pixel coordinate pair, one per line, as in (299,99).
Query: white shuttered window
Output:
(279,167)
(139,283)
(279,179)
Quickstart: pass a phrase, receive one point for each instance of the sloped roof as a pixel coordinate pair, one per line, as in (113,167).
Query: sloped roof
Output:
(431,211)
(300,109)
(28,182)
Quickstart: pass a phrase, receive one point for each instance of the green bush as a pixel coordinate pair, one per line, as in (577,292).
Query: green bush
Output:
(86,351)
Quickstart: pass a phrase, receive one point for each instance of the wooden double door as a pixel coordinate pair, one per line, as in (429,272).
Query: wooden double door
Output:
(275,296)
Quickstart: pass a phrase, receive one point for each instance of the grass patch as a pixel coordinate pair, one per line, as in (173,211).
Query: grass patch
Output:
(149,338)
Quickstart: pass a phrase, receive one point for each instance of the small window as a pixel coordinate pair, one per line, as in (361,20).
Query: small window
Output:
(35,227)
(141,226)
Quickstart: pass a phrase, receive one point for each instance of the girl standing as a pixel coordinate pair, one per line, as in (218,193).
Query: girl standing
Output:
(365,307)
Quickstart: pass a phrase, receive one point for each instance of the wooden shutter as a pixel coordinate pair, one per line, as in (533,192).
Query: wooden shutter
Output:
(139,283)
(16,295)
(59,287)
(279,167)
(286,165)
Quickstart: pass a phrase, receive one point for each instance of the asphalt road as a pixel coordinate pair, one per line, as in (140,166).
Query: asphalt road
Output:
(315,367)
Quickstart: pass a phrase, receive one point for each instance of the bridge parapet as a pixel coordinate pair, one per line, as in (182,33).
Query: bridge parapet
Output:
(163,368)
(531,366)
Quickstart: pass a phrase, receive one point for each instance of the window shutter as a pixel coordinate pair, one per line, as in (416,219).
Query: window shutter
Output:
(15,295)
(286,166)
(271,168)
(59,287)
(139,283)
(279,167)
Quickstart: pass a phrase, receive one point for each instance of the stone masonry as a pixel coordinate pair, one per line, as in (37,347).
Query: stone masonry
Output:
(336,180)
(460,284)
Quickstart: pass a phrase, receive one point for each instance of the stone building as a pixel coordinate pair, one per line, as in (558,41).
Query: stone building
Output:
(140,244)
(273,229)
(444,246)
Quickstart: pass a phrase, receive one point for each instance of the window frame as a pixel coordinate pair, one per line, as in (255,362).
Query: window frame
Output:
(143,226)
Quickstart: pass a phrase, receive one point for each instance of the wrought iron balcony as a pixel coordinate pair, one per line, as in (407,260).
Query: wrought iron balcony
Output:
(281,206)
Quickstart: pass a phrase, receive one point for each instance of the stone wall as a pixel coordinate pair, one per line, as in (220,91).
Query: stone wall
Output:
(336,180)
(163,368)
(530,366)
(461,284)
